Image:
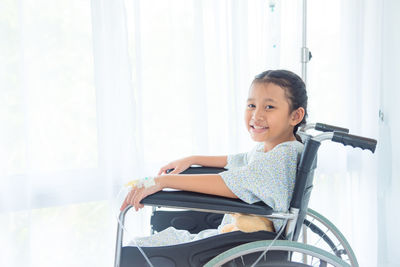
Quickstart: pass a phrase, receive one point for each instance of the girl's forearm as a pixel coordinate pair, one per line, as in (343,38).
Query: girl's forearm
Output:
(210,161)
(211,184)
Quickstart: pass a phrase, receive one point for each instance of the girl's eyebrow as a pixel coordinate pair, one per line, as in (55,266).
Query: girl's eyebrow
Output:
(265,99)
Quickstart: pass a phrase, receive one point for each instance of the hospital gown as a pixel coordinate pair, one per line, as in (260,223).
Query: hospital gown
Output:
(253,176)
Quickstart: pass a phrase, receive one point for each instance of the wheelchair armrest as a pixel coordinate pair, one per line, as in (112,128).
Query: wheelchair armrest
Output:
(202,170)
(205,202)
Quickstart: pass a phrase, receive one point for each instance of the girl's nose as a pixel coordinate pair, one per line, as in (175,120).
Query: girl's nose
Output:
(258,114)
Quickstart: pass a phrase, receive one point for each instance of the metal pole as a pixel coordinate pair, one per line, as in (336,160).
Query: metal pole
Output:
(305,53)
(304,60)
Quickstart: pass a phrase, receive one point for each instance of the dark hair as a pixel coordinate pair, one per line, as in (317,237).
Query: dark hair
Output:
(295,89)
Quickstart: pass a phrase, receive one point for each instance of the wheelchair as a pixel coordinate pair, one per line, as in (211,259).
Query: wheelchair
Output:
(307,239)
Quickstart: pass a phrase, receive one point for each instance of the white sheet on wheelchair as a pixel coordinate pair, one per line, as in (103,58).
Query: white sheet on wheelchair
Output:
(172,236)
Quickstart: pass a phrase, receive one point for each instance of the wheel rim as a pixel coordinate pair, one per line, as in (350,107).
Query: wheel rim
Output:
(278,245)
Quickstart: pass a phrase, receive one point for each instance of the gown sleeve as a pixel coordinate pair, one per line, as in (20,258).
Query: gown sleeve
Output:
(234,161)
(241,159)
(267,177)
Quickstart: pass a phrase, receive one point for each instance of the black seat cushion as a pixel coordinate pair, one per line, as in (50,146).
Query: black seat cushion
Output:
(195,253)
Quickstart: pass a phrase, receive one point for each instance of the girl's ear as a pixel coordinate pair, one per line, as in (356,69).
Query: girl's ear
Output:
(297,116)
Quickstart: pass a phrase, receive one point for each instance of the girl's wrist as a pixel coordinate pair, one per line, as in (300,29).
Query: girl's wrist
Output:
(160,181)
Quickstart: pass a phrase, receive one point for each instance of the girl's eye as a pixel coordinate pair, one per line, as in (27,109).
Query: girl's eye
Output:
(251,106)
(269,107)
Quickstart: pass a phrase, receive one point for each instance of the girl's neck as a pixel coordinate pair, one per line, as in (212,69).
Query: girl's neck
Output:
(270,145)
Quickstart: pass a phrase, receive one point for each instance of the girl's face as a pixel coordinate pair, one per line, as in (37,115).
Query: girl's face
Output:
(268,118)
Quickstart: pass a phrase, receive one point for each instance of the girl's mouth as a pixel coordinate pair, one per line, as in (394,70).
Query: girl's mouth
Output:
(258,129)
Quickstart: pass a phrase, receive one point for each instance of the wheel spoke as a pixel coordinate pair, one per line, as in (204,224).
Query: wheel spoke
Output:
(319,228)
(321,237)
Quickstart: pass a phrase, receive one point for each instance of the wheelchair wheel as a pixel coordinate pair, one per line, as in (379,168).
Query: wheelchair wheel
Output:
(318,231)
(237,255)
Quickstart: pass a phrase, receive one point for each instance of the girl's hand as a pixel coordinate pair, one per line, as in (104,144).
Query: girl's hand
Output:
(178,166)
(137,194)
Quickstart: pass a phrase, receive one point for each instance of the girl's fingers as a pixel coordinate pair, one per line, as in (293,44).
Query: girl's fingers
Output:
(136,195)
(162,171)
(174,171)
(141,193)
(141,196)
(127,200)
(124,205)
(131,196)
(137,198)
(167,167)
(134,202)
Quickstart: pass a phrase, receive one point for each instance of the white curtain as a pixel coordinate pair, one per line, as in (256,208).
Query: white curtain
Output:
(94,94)
(61,135)
(389,173)
(344,82)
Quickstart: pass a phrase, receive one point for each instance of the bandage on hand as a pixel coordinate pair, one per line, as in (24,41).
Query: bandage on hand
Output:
(145,182)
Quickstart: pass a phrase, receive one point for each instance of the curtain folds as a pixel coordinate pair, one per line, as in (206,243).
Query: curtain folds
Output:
(344,84)
(97,93)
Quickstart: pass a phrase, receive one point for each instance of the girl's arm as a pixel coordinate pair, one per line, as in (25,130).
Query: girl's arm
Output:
(180,165)
(210,161)
(211,184)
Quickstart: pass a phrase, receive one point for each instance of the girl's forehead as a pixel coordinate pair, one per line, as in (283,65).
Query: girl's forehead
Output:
(266,90)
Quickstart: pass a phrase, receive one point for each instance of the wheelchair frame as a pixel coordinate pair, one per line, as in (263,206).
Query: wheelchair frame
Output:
(295,216)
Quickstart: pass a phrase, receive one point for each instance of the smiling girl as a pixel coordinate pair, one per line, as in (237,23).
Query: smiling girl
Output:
(276,107)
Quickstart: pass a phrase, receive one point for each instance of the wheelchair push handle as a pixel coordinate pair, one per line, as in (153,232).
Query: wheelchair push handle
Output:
(322,127)
(354,141)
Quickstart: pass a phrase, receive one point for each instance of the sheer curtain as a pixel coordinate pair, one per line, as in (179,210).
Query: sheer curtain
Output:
(193,64)
(344,82)
(389,172)
(58,150)
(96,93)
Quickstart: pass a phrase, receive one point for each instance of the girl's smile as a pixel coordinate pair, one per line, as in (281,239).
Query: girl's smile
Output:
(255,129)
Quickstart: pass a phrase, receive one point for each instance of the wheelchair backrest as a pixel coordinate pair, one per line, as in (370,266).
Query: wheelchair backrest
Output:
(304,182)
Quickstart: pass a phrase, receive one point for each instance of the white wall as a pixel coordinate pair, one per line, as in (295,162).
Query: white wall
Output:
(388,185)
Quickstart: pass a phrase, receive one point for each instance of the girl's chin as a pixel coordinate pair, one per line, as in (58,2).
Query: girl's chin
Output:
(258,135)
(257,138)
